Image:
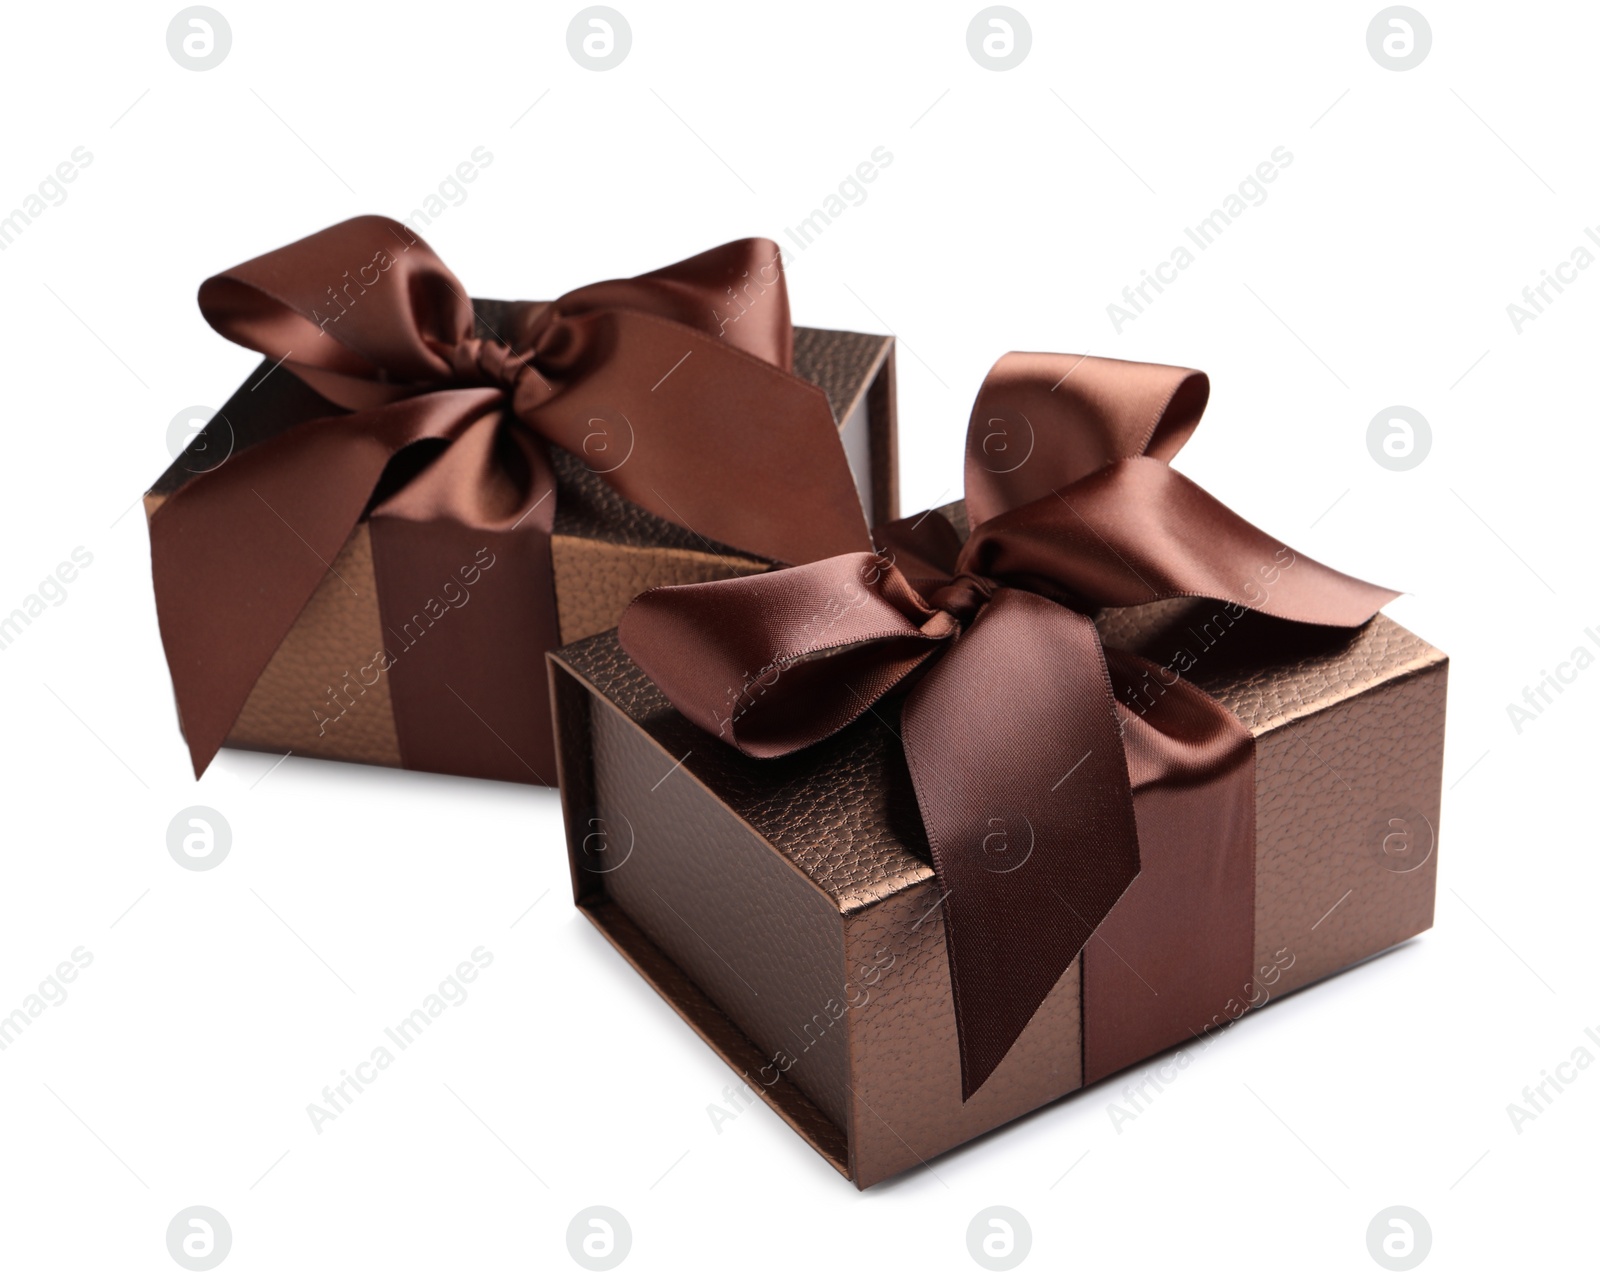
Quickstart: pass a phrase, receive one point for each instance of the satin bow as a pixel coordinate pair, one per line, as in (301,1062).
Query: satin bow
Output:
(682,404)
(1025,747)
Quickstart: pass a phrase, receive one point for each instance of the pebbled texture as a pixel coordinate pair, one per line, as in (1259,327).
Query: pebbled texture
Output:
(605,551)
(843,364)
(1328,790)
(906,1067)
(1349,731)
(756,936)
(595,580)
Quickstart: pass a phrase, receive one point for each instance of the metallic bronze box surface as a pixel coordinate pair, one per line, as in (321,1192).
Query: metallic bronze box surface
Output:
(786,908)
(605,550)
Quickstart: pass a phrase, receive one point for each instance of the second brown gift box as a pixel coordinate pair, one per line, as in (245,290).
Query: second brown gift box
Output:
(367,551)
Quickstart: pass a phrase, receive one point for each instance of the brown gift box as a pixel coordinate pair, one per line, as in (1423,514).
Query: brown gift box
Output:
(605,549)
(786,907)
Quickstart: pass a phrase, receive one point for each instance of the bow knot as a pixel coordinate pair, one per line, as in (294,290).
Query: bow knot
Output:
(480,362)
(963,596)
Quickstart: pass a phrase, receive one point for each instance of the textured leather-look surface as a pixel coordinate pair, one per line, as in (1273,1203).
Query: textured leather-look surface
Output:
(595,580)
(752,933)
(591,856)
(1330,789)
(605,550)
(1349,730)
(905,1063)
(840,363)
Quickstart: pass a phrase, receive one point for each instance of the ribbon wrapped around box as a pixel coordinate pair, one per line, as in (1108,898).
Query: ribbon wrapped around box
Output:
(366,554)
(1058,779)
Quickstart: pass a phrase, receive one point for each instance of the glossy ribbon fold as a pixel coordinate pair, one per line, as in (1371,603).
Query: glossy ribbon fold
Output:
(682,404)
(1025,747)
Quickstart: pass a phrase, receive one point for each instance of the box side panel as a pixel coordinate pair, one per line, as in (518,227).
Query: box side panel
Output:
(1347,821)
(905,1064)
(572,701)
(884,424)
(325,693)
(765,946)
(725,1038)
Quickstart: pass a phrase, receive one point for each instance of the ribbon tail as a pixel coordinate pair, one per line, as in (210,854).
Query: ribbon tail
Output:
(692,429)
(1015,753)
(1137,531)
(466,595)
(236,558)
(1174,957)
(1041,421)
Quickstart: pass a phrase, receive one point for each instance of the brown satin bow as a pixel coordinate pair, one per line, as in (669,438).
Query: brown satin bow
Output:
(682,405)
(1026,750)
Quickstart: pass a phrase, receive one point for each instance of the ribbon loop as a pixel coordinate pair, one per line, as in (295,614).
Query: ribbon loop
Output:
(1044,421)
(1024,760)
(802,653)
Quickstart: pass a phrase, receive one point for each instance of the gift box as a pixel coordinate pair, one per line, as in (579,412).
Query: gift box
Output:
(557,459)
(756,837)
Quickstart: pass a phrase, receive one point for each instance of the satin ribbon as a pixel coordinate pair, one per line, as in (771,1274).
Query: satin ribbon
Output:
(675,387)
(1025,740)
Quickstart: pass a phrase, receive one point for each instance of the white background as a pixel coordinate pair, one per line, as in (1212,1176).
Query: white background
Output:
(1017,206)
